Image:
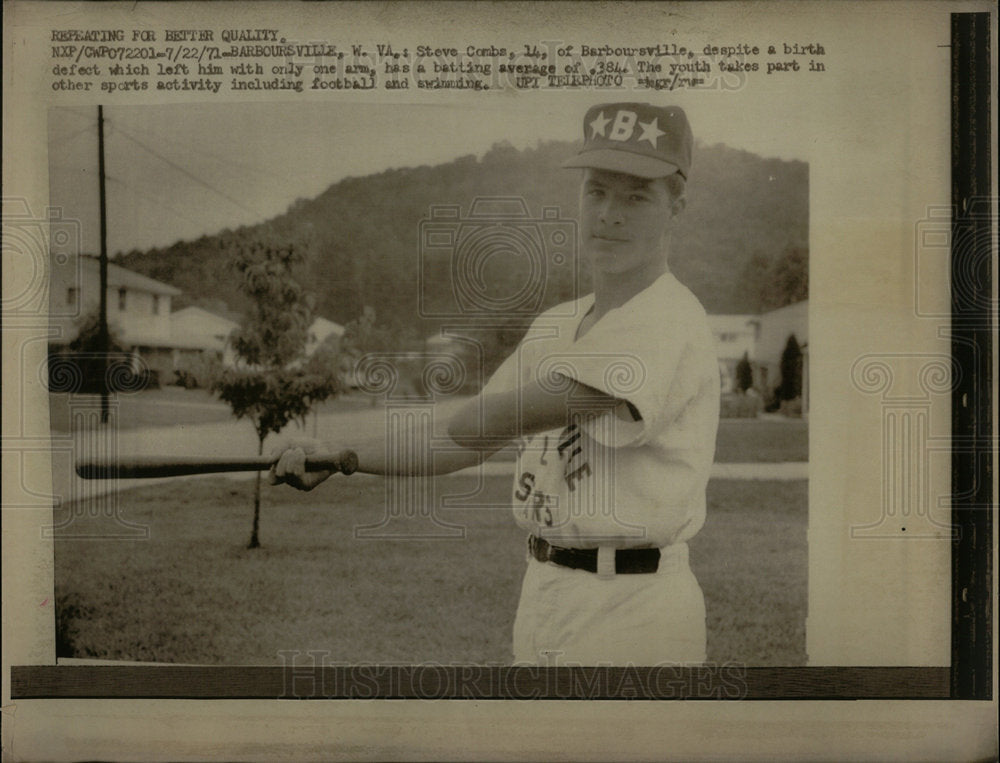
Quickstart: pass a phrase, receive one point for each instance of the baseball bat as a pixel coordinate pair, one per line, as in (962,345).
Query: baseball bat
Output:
(140,467)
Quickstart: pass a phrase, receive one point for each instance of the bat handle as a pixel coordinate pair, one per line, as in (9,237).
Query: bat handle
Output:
(345,462)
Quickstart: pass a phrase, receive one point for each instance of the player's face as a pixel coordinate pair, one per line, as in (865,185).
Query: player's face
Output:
(624,220)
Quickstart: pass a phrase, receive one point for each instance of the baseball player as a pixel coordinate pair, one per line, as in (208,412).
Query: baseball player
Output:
(613,403)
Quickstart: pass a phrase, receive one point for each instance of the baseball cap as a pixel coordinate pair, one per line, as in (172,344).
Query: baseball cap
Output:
(637,139)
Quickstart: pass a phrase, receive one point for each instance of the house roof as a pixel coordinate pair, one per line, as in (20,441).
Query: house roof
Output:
(200,312)
(119,277)
(321,328)
(794,307)
(731,323)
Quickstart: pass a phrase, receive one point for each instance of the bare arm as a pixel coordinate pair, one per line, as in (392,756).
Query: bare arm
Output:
(476,429)
(489,422)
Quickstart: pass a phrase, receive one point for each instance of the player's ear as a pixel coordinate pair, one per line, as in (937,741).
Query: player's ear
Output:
(676,186)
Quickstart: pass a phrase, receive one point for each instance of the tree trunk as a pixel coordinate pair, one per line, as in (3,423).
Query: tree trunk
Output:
(254,539)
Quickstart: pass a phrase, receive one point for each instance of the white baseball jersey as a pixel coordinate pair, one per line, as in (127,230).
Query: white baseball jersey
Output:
(634,476)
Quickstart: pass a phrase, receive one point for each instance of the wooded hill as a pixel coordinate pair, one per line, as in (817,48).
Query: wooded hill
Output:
(741,245)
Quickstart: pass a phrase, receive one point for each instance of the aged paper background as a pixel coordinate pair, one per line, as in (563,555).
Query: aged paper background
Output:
(874,129)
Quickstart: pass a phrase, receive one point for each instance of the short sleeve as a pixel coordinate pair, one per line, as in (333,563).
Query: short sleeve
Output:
(635,355)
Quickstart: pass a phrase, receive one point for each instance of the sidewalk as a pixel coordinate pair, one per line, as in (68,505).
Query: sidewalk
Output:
(238,438)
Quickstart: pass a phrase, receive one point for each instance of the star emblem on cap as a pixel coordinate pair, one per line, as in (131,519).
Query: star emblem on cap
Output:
(650,131)
(598,125)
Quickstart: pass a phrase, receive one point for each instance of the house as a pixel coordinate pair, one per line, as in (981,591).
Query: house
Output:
(200,339)
(323,331)
(195,330)
(138,307)
(734,336)
(776,326)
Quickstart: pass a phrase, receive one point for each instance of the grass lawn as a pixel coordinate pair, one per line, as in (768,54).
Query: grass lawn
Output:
(169,406)
(741,441)
(192,592)
(750,558)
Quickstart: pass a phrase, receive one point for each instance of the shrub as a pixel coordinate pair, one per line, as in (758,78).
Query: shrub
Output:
(736,406)
(199,371)
(744,374)
(791,370)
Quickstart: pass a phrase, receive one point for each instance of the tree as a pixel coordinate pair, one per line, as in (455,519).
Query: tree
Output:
(791,370)
(744,374)
(753,283)
(788,278)
(270,385)
(88,334)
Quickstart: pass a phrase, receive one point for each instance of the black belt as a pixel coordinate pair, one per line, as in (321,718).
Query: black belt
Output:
(628,561)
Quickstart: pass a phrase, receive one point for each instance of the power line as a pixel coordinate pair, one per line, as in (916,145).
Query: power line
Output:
(189,175)
(149,197)
(88,129)
(77,113)
(239,166)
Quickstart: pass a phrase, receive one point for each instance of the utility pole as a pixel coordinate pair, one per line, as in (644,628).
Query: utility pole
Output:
(103,340)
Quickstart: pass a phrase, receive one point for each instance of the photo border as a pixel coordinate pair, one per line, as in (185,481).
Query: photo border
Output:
(970,673)
(972,329)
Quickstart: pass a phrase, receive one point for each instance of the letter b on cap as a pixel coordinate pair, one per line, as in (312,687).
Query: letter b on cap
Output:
(623,126)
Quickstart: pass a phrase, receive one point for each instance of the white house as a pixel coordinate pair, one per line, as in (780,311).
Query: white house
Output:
(763,338)
(194,328)
(776,326)
(320,331)
(734,336)
(138,306)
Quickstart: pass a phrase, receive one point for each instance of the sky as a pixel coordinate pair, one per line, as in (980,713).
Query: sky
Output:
(180,171)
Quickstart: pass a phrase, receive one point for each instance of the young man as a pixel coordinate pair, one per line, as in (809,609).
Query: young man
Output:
(613,401)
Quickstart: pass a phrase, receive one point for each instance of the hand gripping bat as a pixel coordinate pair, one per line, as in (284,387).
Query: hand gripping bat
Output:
(140,467)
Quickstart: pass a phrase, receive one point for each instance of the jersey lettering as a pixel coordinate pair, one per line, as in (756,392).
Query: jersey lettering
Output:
(575,476)
(525,484)
(541,505)
(545,449)
(567,441)
(623,126)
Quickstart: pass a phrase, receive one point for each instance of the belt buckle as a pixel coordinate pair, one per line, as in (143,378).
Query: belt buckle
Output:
(606,562)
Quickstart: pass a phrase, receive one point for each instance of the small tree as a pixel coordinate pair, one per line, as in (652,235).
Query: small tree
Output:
(791,370)
(270,386)
(744,374)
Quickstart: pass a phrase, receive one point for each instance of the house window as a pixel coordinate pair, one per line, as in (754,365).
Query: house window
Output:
(71,296)
(156,304)
(121,299)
